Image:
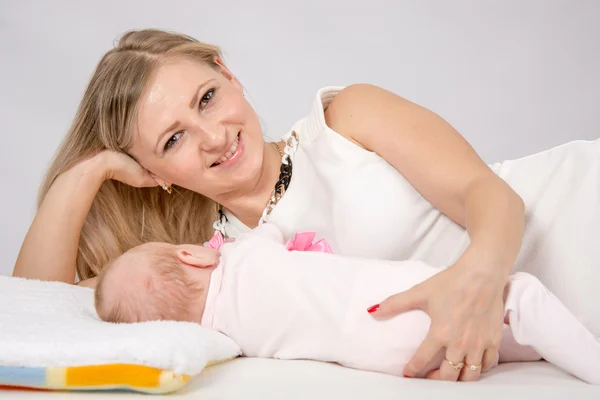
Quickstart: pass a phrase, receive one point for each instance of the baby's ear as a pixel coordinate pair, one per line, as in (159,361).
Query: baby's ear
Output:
(197,256)
(269,231)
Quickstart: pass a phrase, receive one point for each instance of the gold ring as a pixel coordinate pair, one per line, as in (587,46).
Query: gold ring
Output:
(473,367)
(457,366)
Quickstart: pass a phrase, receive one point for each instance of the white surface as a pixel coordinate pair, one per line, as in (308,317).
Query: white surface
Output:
(513,76)
(247,378)
(51,324)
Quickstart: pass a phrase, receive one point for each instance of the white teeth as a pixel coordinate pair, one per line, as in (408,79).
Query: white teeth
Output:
(231,150)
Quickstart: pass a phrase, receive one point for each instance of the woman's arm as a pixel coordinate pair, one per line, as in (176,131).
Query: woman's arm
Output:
(445,169)
(49,250)
(436,160)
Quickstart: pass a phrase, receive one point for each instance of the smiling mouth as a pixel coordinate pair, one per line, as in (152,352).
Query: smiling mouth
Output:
(229,153)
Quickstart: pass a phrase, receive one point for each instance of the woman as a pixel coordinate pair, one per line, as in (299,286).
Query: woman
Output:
(373,173)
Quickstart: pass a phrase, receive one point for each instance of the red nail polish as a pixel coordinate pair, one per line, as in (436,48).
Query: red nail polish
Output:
(406,376)
(372,309)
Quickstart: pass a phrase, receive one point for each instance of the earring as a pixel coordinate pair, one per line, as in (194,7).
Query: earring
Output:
(167,188)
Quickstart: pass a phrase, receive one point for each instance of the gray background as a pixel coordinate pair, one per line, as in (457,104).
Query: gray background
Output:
(513,76)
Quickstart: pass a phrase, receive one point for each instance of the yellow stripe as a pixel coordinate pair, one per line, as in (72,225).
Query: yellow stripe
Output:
(56,378)
(113,374)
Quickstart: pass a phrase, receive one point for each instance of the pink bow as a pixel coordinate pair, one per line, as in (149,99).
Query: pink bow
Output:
(302,241)
(216,241)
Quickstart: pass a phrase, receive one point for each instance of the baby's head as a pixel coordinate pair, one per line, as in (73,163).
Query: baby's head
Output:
(154,281)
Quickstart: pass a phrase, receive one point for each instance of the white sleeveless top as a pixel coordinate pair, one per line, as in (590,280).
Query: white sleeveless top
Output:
(364,207)
(356,200)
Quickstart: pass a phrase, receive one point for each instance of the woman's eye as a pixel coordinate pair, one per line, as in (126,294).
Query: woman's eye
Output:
(207,97)
(173,140)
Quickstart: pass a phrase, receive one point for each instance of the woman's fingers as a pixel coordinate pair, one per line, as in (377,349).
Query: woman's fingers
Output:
(452,365)
(490,359)
(433,374)
(426,352)
(472,369)
(405,301)
(123,168)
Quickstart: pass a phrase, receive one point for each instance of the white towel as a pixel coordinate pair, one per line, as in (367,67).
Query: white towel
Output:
(52,324)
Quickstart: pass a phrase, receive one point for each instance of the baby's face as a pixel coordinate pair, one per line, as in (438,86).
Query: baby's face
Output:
(154,281)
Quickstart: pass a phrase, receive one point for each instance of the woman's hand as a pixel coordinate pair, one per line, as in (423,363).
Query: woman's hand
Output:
(123,168)
(465,304)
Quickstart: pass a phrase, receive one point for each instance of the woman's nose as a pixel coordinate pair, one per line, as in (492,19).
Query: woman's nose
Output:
(210,136)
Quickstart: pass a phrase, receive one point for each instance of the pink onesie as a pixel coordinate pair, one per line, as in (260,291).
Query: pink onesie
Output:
(276,303)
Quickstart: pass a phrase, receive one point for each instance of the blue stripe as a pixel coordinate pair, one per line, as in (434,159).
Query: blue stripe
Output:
(23,376)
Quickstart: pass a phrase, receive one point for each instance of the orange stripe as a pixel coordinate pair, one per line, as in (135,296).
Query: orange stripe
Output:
(113,374)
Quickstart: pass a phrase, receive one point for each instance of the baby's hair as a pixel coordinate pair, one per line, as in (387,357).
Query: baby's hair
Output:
(169,292)
(115,314)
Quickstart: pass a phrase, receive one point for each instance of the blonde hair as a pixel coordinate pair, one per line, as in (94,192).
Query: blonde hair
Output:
(169,293)
(121,216)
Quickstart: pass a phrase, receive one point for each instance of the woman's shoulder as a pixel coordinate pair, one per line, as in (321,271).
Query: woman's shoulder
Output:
(333,109)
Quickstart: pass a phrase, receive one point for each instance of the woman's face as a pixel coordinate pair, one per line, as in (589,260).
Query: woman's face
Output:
(196,130)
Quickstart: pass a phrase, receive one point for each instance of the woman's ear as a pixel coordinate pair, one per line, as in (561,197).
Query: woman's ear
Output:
(159,181)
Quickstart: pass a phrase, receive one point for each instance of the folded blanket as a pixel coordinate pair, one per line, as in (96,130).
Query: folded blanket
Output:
(52,338)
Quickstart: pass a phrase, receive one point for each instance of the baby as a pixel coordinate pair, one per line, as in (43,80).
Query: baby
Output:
(276,303)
